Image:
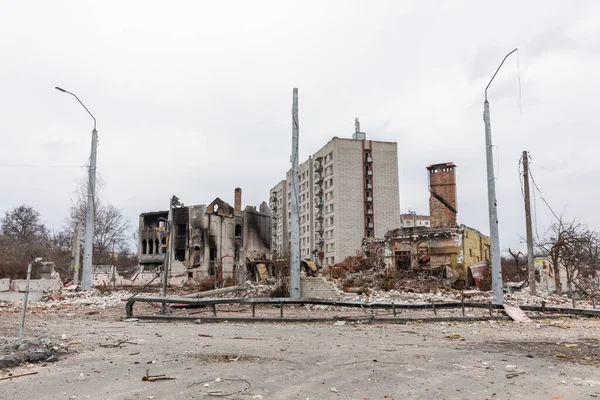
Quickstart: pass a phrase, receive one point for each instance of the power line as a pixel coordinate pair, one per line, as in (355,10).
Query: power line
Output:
(521,176)
(542,196)
(39,166)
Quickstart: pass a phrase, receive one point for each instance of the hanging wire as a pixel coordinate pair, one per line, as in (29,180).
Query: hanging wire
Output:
(521,176)
(39,166)
(542,196)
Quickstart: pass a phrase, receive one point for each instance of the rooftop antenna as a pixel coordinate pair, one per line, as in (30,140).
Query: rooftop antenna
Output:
(356,125)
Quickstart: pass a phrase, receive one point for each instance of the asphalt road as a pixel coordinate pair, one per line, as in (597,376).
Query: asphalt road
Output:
(488,360)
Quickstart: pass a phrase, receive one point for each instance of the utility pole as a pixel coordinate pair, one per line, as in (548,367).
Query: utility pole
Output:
(76,254)
(86,274)
(528,228)
(498,297)
(88,249)
(167,261)
(24,307)
(169,256)
(295,222)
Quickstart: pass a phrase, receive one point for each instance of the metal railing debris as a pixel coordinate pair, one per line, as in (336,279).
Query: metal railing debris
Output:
(392,306)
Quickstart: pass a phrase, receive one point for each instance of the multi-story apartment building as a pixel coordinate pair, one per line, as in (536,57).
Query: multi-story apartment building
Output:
(278,201)
(412,219)
(348,191)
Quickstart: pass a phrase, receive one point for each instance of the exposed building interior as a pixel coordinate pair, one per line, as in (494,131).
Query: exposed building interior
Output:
(215,240)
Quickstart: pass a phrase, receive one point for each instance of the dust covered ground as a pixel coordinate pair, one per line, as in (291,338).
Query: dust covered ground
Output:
(111,359)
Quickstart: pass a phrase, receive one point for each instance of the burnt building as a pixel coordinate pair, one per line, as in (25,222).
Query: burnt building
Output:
(207,239)
(443,244)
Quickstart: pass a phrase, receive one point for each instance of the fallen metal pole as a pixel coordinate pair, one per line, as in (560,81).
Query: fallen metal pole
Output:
(24,309)
(214,292)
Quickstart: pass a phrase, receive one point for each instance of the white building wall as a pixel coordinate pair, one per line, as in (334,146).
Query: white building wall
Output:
(349,197)
(386,196)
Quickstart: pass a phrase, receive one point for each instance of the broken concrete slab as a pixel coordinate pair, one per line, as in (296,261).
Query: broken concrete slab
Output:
(44,285)
(516,313)
(18,297)
(8,361)
(4,285)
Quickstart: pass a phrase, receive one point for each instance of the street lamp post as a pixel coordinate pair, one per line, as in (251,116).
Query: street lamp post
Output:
(86,274)
(498,295)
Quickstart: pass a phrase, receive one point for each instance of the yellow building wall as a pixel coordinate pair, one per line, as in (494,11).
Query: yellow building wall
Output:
(476,247)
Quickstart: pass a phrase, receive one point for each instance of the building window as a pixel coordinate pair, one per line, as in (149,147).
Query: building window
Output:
(150,246)
(238,230)
(144,246)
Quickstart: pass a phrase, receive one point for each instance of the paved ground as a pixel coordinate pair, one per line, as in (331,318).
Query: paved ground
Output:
(555,359)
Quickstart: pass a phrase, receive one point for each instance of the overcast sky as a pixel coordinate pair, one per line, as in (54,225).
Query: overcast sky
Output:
(194,98)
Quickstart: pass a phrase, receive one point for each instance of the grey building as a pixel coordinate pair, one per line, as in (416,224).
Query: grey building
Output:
(208,239)
(348,191)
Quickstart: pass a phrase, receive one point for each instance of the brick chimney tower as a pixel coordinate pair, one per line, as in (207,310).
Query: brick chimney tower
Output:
(237,200)
(442,194)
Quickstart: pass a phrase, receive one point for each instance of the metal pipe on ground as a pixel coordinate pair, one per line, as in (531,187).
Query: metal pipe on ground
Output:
(215,292)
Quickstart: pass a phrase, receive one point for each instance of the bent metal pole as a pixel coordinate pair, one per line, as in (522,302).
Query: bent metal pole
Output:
(498,295)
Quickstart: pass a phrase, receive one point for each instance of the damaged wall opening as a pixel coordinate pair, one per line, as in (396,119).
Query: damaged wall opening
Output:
(212,258)
(238,231)
(402,259)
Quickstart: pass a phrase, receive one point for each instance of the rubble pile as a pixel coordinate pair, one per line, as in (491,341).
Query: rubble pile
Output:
(91,299)
(515,298)
(403,281)
(38,350)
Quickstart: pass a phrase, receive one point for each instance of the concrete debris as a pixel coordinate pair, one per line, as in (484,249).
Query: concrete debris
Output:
(38,350)
(516,313)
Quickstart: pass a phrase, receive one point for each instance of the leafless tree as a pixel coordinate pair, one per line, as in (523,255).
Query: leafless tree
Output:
(23,223)
(111,227)
(574,248)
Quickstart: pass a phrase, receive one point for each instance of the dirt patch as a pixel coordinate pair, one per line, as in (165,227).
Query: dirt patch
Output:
(583,351)
(223,358)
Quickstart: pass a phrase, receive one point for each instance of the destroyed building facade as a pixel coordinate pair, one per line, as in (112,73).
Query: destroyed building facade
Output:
(348,191)
(443,244)
(207,238)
